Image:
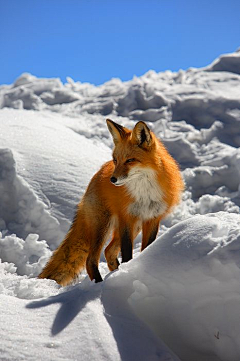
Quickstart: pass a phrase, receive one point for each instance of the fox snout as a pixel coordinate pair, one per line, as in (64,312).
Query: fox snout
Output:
(119,174)
(118,181)
(113,180)
(118,178)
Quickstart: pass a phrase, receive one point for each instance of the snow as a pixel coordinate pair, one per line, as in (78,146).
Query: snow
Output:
(179,299)
(227,62)
(197,262)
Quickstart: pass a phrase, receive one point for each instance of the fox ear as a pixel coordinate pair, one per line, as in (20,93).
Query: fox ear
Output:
(118,132)
(141,135)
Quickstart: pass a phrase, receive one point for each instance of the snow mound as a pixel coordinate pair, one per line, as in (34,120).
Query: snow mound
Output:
(21,211)
(27,256)
(52,160)
(29,92)
(22,287)
(227,62)
(186,288)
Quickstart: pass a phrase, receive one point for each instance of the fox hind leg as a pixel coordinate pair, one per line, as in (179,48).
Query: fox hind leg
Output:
(98,238)
(93,261)
(112,251)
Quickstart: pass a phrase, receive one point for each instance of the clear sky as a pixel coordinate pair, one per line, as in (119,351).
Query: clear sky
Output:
(95,40)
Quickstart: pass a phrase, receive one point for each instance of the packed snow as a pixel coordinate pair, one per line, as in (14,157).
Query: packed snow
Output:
(177,300)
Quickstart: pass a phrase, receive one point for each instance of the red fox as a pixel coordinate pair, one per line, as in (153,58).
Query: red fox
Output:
(130,193)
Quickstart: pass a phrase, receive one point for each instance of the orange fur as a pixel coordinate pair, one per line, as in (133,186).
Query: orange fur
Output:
(133,192)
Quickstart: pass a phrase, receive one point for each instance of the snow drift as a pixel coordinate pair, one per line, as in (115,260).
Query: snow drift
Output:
(180,297)
(185,287)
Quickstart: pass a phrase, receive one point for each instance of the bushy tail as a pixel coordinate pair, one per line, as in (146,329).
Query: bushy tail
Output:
(68,260)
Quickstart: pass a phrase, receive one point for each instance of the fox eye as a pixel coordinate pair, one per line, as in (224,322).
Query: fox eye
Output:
(130,160)
(114,160)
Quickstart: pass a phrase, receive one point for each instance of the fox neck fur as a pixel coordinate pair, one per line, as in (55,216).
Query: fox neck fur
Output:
(148,196)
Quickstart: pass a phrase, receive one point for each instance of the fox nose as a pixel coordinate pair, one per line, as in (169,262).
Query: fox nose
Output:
(113,179)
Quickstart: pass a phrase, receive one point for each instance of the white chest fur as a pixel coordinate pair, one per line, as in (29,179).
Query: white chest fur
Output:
(144,188)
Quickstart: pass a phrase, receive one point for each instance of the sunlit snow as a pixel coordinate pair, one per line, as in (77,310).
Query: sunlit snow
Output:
(180,298)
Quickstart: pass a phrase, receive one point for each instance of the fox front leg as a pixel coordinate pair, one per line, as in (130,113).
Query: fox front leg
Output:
(126,241)
(149,232)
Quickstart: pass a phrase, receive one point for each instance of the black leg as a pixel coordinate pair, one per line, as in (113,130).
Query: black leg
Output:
(96,274)
(149,232)
(152,236)
(126,245)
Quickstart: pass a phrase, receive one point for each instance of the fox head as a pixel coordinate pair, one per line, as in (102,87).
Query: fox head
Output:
(133,151)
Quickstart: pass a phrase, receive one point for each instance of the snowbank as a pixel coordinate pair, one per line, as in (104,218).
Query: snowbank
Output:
(21,211)
(52,159)
(186,287)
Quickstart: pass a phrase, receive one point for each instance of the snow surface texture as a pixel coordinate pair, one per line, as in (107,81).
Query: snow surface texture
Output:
(181,296)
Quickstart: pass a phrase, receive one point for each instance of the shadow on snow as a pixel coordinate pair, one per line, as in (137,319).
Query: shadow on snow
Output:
(72,302)
(135,341)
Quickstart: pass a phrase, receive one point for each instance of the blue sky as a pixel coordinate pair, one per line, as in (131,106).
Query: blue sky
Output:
(95,40)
